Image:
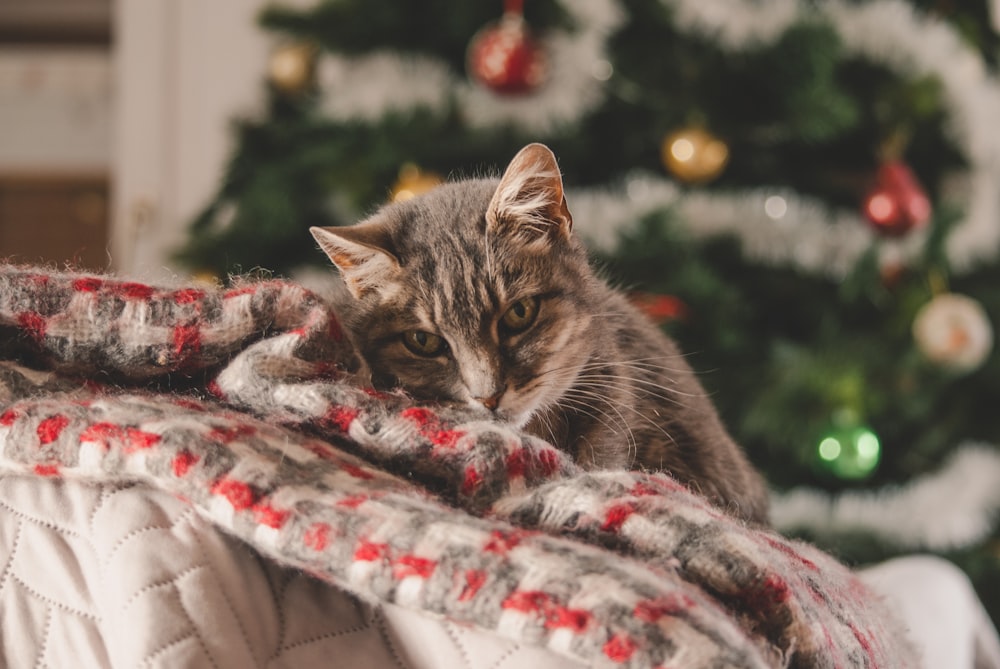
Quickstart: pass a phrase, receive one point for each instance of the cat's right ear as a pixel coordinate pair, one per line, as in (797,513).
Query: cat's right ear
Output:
(529,204)
(364,253)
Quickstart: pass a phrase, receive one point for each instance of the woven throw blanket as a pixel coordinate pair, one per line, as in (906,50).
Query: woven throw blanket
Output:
(239,402)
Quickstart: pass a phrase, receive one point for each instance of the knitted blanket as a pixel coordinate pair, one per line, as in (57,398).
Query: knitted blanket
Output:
(239,402)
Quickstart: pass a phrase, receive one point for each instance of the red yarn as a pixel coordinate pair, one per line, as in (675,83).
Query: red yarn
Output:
(472,480)
(340,417)
(139,440)
(368,551)
(183,462)
(501,542)
(562,617)
(616,516)
(8,417)
(517,463)
(619,648)
(353,501)
(47,470)
(50,429)
(549,461)
(475,579)
(651,610)
(132,291)
(413,565)
(188,295)
(240,495)
(267,515)
(87,284)
(317,537)
(33,323)
(101,433)
(527,601)
(187,340)
(356,471)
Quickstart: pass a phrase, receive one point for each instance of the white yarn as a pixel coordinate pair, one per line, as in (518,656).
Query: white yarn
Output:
(952,508)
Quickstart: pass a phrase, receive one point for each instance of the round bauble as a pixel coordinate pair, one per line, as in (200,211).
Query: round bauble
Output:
(896,204)
(849,450)
(412,182)
(506,58)
(694,155)
(292,67)
(954,331)
(659,308)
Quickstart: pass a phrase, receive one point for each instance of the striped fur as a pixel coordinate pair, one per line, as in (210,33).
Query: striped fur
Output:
(591,375)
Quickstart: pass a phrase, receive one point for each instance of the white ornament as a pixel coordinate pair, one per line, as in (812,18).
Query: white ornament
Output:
(954,331)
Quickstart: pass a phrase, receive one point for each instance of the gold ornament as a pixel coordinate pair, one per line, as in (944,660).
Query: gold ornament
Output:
(694,155)
(292,67)
(412,182)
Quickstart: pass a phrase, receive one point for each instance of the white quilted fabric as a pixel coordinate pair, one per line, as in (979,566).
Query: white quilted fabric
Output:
(109,576)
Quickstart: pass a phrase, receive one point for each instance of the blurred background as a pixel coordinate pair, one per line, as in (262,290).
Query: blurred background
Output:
(806,195)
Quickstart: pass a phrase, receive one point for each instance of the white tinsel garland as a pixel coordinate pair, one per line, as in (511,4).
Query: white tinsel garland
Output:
(365,88)
(953,508)
(369,87)
(736,25)
(775,226)
(889,32)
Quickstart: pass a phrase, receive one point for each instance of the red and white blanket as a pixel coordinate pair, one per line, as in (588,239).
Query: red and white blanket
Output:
(235,401)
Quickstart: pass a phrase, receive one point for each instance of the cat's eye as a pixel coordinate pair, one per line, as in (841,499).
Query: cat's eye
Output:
(424,343)
(521,315)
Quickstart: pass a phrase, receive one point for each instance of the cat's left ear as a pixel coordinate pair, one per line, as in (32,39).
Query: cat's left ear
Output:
(529,203)
(364,254)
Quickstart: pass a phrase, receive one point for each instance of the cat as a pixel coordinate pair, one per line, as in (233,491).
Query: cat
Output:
(477,292)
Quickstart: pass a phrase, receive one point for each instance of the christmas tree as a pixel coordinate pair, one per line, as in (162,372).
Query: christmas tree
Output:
(806,195)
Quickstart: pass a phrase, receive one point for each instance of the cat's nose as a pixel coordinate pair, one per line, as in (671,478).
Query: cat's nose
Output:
(492,402)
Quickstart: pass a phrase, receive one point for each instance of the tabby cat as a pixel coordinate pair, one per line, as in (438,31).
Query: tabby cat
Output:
(477,292)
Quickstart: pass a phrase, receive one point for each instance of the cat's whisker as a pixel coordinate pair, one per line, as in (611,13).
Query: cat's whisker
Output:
(580,395)
(546,423)
(671,392)
(581,406)
(638,364)
(644,364)
(600,394)
(582,392)
(605,385)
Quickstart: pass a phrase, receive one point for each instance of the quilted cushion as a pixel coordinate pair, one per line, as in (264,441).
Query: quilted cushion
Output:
(128,576)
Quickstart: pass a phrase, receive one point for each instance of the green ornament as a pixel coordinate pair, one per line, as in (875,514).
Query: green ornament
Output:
(849,451)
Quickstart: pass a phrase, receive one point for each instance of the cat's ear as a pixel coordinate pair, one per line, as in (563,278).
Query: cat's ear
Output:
(529,203)
(364,253)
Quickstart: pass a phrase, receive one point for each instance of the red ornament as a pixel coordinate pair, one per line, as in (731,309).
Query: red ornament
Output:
(504,57)
(897,204)
(659,308)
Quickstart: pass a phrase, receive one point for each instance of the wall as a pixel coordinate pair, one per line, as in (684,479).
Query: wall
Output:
(184,69)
